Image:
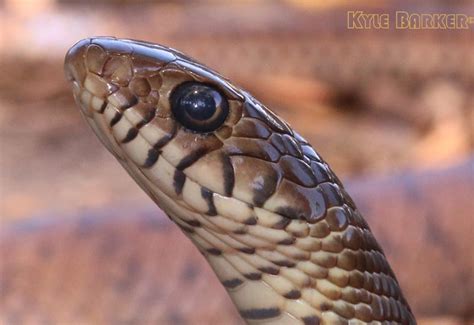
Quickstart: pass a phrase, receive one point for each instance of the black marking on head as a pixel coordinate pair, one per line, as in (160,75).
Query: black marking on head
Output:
(302,257)
(247,250)
(162,142)
(254,276)
(310,320)
(165,139)
(285,263)
(325,306)
(293,294)
(178,181)
(269,270)
(151,158)
(191,158)
(186,229)
(229,178)
(262,193)
(131,134)
(207,196)
(230,284)
(148,117)
(115,119)
(287,241)
(214,251)
(194,223)
(250,221)
(282,223)
(260,313)
(103,106)
(240,231)
(132,101)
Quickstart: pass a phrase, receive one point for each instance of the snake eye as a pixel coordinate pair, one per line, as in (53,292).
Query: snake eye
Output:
(199,107)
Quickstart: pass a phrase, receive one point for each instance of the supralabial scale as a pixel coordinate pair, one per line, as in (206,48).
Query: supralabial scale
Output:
(269,215)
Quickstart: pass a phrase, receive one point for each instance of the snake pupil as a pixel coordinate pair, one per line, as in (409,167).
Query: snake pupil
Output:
(198,107)
(199,104)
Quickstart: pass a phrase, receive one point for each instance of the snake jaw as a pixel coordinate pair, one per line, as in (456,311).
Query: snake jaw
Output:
(268,213)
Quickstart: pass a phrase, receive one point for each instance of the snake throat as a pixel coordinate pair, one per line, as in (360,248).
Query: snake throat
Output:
(267,212)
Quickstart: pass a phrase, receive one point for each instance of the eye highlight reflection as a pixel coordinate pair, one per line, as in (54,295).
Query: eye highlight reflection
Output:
(199,107)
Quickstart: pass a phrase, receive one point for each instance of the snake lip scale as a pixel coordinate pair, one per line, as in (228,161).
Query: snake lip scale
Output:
(267,212)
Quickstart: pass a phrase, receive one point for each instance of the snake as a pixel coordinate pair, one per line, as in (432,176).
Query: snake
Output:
(266,211)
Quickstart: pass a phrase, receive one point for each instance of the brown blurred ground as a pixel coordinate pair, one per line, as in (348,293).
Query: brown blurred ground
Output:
(52,165)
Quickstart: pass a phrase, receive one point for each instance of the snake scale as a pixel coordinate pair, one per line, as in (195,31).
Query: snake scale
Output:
(269,215)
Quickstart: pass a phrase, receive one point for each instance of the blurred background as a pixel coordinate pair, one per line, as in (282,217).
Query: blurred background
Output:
(374,103)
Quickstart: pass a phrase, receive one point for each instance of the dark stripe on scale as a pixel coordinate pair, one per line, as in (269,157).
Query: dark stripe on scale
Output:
(115,119)
(228,174)
(147,118)
(282,223)
(230,284)
(151,158)
(194,223)
(293,294)
(310,320)
(207,196)
(214,251)
(178,181)
(287,241)
(284,263)
(254,276)
(269,270)
(162,142)
(250,221)
(154,153)
(260,313)
(191,158)
(103,106)
(247,250)
(187,229)
(131,134)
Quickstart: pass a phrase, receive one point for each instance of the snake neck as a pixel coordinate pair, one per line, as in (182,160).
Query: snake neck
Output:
(289,271)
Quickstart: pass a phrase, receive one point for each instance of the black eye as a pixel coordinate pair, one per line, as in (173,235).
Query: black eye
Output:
(199,107)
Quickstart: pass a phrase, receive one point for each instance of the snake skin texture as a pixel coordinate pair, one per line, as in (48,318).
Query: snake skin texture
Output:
(269,215)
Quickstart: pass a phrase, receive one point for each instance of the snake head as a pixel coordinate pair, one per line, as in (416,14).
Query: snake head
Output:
(183,130)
